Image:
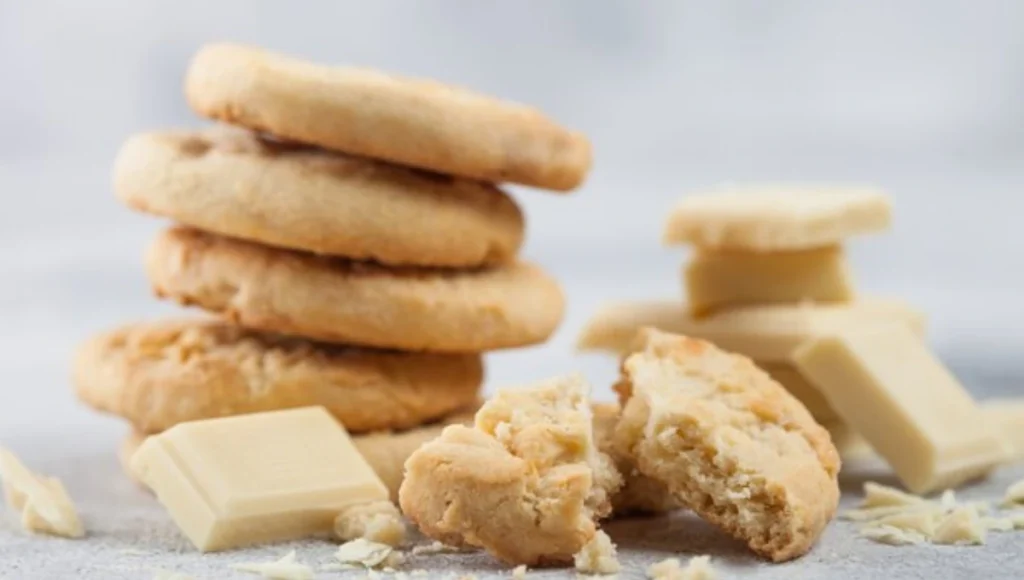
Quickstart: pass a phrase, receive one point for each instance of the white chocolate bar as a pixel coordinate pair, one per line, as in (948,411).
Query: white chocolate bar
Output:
(776,218)
(257,478)
(764,333)
(886,385)
(721,279)
(1008,414)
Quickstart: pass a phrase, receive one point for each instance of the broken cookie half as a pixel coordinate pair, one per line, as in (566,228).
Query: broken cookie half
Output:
(729,442)
(527,482)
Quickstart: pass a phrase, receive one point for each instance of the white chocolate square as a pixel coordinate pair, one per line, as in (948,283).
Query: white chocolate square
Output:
(723,279)
(886,385)
(256,478)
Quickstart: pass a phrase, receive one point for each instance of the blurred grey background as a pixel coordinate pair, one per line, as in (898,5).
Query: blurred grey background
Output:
(924,98)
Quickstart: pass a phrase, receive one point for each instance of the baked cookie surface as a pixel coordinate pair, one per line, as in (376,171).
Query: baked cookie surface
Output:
(729,442)
(346,302)
(777,218)
(235,183)
(159,374)
(410,122)
(526,483)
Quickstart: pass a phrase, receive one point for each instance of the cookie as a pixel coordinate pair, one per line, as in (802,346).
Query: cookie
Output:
(777,218)
(639,494)
(407,121)
(340,301)
(159,374)
(233,183)
(729,442)
(527,482)
(385,451)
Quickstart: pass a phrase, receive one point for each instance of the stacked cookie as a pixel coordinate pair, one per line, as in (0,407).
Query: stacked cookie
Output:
(346,234)
(768,272)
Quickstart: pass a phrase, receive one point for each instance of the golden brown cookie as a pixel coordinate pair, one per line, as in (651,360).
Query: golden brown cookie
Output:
(729,442)
(411,122)
(385,451)
(639,494)
(231,182)
(159,374)
(526,483)
(346,302)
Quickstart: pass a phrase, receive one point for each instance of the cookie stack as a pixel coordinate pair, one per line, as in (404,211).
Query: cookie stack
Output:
(346,233)
(768,271)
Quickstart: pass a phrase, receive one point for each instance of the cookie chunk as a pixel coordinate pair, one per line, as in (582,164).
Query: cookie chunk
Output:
(235,183)
(639,494)
(412,122)
(729,442)
(358,303)
(159,374)
(526,483)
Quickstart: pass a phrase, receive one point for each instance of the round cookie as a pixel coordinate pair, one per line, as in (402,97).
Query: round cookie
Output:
(346,302)
(729,442)
(232,182)
(385,451)
(159,374)
(412,122)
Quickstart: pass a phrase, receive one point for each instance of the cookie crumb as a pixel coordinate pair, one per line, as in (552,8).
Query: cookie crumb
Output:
(287,568)
(368,554)
(597,556)
(44,504)
(961,526)
(699,568)
(378,521)
(519,572)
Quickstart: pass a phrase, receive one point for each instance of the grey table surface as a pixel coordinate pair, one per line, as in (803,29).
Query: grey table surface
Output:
(65,278)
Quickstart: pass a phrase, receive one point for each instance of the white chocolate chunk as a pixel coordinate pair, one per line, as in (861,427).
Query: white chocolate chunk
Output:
(961,526)
(918,521)
(872,514)
(774,218)
(699,568)
(888,387)
(878,495)
(1014,493)
(597,556)
(768,333)
(997,524)
(256,478)
(367,554)
(287,568)
(1008,415)
(723,279)
(892,536)
(378,521)
(44,504)
(948,499)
